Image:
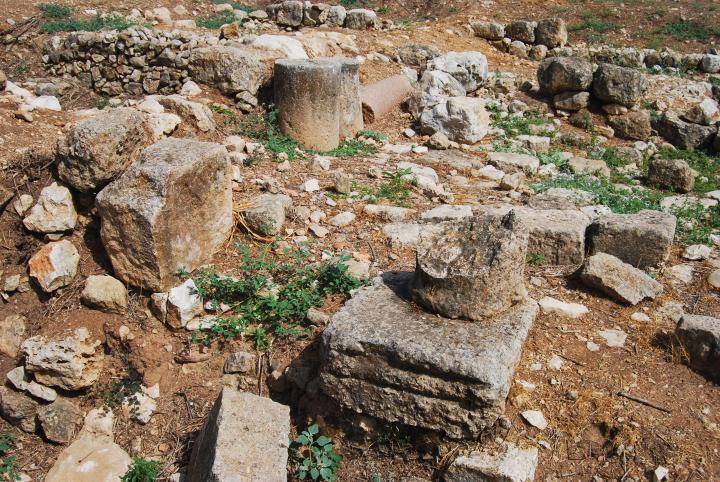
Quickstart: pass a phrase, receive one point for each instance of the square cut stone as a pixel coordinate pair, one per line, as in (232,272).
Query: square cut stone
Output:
(384,357)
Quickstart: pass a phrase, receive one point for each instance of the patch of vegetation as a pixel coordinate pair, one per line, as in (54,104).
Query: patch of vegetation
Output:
(353,3)
(124,391)
(594,23)
(142,470)
(707,166)
(9,469)
(534,258)
(350,148)
(235,5)
(265,129)
(229,117)
(271,294)
(395,189)
(374,135)
(694,223)
(97,23)
(686,31)
(54,10)
(552,157)
(391,440)
(102,102)
(315,456)
(517,124)
(216,20)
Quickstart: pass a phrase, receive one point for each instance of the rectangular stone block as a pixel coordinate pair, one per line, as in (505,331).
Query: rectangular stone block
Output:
(244,439)
(558,235)
(384,357)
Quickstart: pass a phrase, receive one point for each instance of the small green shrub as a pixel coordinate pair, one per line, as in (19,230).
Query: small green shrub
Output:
(534,258)
(9,469)
(315,456)
(593,23)
(395,189)
(350,148)
(265,129)
(271,294)
(374,135)
(516,124)
(142,470)
(124,390)
(54,10)
(686,31)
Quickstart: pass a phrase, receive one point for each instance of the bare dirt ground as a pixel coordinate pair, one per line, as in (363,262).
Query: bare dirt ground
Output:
(593,433)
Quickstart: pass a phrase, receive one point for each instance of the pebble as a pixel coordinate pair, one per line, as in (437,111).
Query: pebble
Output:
(639,316)
(613,338)
(535,418)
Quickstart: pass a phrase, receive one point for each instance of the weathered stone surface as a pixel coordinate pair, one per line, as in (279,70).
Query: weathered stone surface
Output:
(290,13)
(558,307)
(488,30)
(700,336)
(434,87)
(471,268)
(682,134)
(710,63)
(245,437)
(105,293)
(555,234)
(232,69)
(417,55)
(562,198)
(13,330)
(54,211)
(99,149)
(620,281)
(171,210)
(59,420)
(3,80)
(71,364)
(593,167)
(508,464)
(551,32)
(642,240)
(336,16)
(239,362)
(289,47)
(521,30)
(469,68)
(54,265)
(361,19)
(460,119)
(572,101)
(92,457)
(18,409)
(183,304)
(562,74)
(633,125)
(387,359)
(306,95)
(194,113)
(619,85)
(705,112)
(512,162)
(268,213)
(675,174)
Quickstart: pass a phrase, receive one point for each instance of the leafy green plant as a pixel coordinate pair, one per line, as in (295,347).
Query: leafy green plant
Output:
(54,10)
(229,117)
(9,469)
(395,188)
(265,129)
(235,5)
(374,135)
(593,23)
(102,102)
(686,31)
(315,456)
(216,20)
(516,124)
(142,470)
(534,258)
(271,293)
(124,391)
(109,22)
(350,148)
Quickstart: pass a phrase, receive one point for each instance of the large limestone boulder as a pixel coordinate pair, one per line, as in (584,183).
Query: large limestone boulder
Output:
(683,134)
(232,69)
(361,19)
(100,148)
(619,85)
(472,268)
(245,437)
(54,211)
(700,336)
(385,358)
(460,119)
(551,32)
(290,13)
(434,87)
(171,210)
(557,236)
(675,174)
(643,239)
(469,68)
(618,280)
(561,74)
(72,363)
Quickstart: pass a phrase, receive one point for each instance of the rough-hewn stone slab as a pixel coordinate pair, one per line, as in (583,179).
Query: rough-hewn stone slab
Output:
(388,359)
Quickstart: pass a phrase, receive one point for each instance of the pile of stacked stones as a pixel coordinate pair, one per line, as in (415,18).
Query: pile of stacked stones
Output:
(294,14)
(137,60)
(523,38)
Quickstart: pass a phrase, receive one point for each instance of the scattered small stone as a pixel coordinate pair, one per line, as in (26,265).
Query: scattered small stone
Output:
(54,265)
(239,362)
(105,293)
(535,418)
(697,252)
(613,338)
(555,306)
